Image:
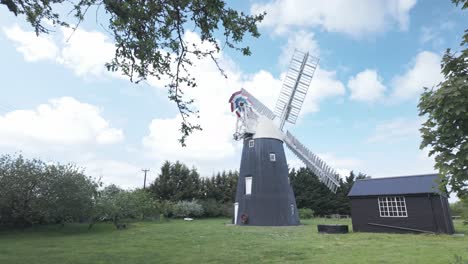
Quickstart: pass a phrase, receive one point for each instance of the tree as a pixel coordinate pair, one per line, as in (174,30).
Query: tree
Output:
(149,37)
(460,208)
(221,187)
(116,204)
(68,194)
(176,183)
(445,131)
(32,192)
(311,193)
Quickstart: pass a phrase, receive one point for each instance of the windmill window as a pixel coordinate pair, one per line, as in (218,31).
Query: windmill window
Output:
(392,206)
(248,185)
(292,209)
(272,157)
(251,143)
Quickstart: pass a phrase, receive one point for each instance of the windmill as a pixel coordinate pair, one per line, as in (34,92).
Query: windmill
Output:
(264,196)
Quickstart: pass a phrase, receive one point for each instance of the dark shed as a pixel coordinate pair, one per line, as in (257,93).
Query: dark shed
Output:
(400,204)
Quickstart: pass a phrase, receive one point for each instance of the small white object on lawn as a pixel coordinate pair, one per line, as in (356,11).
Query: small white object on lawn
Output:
(188,219)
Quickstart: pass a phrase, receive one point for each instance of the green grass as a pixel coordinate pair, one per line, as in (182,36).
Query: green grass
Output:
(211,241)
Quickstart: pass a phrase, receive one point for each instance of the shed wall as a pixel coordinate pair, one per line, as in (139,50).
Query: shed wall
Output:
(425,212)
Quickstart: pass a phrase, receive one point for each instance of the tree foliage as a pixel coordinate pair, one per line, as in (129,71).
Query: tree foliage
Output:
(460,208)
(176,182)
(32,192)
(221,188)
(115,204)
(149,37)
(188,209)
(311,193)
(445,131)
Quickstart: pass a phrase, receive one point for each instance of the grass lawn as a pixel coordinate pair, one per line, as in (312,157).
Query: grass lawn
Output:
(211,241)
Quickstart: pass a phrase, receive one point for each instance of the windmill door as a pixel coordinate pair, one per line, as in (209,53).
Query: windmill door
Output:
(236,208)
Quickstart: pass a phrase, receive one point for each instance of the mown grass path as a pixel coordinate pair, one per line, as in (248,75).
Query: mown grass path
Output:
(211,241)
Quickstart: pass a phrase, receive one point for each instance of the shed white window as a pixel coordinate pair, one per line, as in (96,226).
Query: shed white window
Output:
(272,157)
(392,206)
(251,143)
(248,185)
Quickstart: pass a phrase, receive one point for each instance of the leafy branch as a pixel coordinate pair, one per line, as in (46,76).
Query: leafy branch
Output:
(149,38)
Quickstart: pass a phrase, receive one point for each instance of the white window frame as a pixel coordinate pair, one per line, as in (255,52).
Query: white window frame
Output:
(248,185)
(272,157)
(251,143)
(392,206)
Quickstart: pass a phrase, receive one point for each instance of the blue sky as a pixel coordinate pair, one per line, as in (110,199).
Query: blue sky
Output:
(58,102)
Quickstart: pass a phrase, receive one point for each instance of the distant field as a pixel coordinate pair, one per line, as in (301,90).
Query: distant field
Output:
(211,241)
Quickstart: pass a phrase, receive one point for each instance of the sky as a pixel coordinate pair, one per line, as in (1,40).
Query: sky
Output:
(60,104)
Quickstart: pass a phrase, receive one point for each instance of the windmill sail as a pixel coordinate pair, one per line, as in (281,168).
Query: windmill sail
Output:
(295,87)
(325,173)
(258,106)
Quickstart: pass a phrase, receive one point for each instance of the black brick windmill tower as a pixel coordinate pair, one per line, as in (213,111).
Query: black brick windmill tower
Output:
(264,196)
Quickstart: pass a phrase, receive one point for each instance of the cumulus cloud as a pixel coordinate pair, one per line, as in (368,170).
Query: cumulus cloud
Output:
(324,83)
(343,166)
(424,72)
(212,147)
(301,40)
(366,86)
(85,52)
(349,17)
(121,173)
(33,48)
(210,150)
(324,86)
(61,122)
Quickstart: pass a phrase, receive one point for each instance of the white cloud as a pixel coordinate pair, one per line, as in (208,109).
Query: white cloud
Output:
(123,174)
(395,130)
(424,72)
(324,86)
(366,86)
(214,143)
(33,48)
(343,166)
(301,40)
(324,83)
(61,122)
(350,17)
(211,148)
(265,86)
(85,52)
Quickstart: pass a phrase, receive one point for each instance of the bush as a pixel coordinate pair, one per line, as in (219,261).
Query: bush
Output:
(115,204)
(228,210)
(167,208)
(212,208)
(306,213)
(187,209)
(460,208)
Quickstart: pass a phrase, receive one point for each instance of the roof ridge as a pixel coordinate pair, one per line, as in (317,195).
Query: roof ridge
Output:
(392,177)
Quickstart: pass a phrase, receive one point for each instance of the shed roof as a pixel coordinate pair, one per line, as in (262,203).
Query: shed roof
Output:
(416,184)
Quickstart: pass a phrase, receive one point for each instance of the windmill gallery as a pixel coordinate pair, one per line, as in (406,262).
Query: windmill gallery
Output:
(264,196)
